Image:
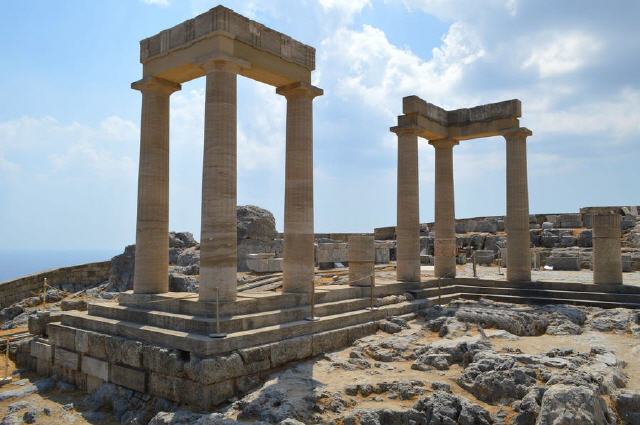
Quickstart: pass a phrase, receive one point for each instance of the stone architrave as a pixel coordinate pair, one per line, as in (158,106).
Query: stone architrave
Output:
(607,252)
(445,241)
(151,272)
(298,265)
(408,212)
(517,219)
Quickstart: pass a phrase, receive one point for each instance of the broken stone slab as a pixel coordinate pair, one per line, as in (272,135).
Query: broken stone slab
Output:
(484,256)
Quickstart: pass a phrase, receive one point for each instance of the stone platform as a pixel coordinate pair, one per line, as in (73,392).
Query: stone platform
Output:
(160,344)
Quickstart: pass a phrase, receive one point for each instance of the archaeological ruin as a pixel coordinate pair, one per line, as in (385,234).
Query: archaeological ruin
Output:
(182,324)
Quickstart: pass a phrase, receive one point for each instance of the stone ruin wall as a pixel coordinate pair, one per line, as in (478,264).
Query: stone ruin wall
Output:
(72,279)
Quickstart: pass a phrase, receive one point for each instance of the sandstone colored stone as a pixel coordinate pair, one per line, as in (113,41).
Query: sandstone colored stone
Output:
(215,369)
(325,342)
(291,349)
(127,377)
(162,360)
(256,359)
(94,367)
(41,350)
(66,359)
(62,336)
(125,351)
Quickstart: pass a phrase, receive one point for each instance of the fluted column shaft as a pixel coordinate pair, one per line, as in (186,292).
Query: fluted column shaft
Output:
(607,253)
(298,264)
(408,208)
(152,226)
(517,220)
(218,241)
(445,226)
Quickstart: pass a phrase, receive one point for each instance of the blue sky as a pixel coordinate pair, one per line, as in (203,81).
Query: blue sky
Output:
(69,123)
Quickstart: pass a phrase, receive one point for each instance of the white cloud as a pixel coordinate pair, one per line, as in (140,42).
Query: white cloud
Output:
(346,9)
(562,53)
(261,118)
(68,147)
(617,118)
(161,3)
(369,67)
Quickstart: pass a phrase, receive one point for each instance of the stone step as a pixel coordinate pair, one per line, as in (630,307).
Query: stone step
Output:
(547,300)
(256,302)
(207,325)
(519,290)
(204,346)
(561,286)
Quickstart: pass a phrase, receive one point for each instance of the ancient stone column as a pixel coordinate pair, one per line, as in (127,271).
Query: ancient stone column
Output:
(607,253)
(298,260)
(152,227)
(517,220)
(218,241)
(362,258)
(408,209)
(445,225)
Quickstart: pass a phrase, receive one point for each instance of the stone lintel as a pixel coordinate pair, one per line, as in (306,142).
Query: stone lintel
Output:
(477,130)
(222,62)
(600,210)
(151,83)
(299,88)
(275,58)
(464,116)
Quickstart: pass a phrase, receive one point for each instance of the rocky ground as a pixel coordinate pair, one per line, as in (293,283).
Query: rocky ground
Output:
(467,362)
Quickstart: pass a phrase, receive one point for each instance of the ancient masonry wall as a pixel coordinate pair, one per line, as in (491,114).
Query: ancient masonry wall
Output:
(72,278)
(89,359)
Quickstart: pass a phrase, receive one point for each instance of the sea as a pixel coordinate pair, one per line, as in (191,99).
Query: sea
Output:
(18,263)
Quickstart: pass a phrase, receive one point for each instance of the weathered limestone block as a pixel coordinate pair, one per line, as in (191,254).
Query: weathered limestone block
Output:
(215,369)
(564,262)
(125,351)
(585,239)
(94,367)
(127,377)
(361,257)
(359,331)
(627,263)
(290,350)
(62,336)
(91,343)
(38,321)
(67,359)
(485,257)
(568,241)
(385,233)
(256,359)
(487,226)
(244,384)
(331,253)
(264,263)
(325,342)
(570,221)
(383,252)
(41,350)
(162,360)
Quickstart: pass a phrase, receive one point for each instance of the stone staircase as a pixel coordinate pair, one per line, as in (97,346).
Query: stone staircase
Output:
(179,321)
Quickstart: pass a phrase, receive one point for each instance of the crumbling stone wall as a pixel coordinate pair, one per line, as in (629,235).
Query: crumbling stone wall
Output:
(71,279)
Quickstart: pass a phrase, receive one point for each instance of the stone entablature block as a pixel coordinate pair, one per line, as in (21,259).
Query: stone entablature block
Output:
(464,116)
(222,19)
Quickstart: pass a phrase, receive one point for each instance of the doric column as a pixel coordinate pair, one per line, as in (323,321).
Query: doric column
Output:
(298,187)
(517,220)
(445,226)
(607,253)
(152,227)
(408,208)
(218,241)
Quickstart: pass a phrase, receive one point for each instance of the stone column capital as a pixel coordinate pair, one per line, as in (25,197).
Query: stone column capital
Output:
(405,130)
(517,134)
(220,62)
(299,89)
(444,143)
(156,84)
